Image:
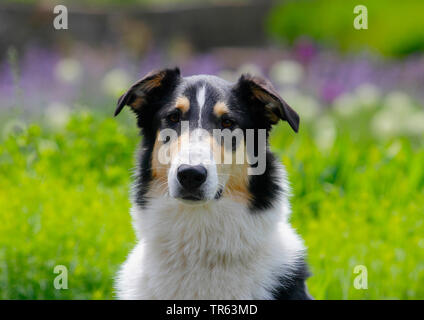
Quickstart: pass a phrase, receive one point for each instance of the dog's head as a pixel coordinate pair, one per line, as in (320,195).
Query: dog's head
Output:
(201,133)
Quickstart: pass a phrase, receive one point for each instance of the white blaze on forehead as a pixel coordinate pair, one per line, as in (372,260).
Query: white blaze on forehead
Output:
(201,97)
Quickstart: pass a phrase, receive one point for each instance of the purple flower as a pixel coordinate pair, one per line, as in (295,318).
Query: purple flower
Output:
(203,64)
(330,91)
(304,50)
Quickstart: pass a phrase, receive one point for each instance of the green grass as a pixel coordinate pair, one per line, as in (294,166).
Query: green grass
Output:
(64,201)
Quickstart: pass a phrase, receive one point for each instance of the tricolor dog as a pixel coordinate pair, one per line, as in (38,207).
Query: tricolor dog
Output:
(210,201)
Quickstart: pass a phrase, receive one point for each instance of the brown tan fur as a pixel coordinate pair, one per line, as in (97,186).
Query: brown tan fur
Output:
(220,108)
(266,98)
(154,82)
(237,184)
(159,170)
(136,104)
(183,104)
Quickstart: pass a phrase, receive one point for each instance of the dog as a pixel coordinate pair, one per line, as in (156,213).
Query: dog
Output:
(207,229)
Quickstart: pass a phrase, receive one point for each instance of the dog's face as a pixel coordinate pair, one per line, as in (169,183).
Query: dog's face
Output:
(195,146)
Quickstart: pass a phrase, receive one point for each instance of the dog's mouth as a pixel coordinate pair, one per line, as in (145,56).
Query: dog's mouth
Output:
(192,198)
(197,197)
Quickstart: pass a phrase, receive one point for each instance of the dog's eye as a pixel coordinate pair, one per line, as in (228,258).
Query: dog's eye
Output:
(227,123)
(174,117)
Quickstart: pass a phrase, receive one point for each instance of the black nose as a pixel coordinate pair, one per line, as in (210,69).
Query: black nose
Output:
(191,177)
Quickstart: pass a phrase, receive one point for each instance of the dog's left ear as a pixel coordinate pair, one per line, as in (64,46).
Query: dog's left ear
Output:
(261,94)
(148,89)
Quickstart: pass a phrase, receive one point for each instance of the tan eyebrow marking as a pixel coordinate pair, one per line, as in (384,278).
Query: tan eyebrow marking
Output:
(183,104)
(220,108)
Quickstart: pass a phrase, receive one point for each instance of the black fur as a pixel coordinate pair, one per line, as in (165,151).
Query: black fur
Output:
(264,188)
(247,111)
(294,288)
(144,171)
(149,124)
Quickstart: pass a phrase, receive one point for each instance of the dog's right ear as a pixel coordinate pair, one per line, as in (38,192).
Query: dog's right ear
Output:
(152,86)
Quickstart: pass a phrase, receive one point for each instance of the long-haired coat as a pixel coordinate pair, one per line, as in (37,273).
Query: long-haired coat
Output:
(208,229)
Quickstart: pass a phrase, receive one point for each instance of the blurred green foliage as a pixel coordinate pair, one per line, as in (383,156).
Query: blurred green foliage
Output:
(395,28)
(64,201)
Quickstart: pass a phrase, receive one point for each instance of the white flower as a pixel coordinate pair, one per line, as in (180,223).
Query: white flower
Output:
(398,116)
(346,105)
(286,72)
(57,114)
(414,123)
(367,94)
(307,107)
(398,102)
(115,82)
(68,70)
(325,133)
(228,75)
(385,124)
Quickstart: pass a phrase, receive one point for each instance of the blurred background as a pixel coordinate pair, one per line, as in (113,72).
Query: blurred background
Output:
(356,166)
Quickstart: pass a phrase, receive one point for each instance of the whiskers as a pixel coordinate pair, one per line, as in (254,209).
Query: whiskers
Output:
(160,184)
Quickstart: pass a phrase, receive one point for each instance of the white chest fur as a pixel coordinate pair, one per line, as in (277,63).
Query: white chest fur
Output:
(216,251)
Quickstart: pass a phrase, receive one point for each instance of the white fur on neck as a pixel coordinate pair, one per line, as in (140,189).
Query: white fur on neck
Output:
(219,250)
